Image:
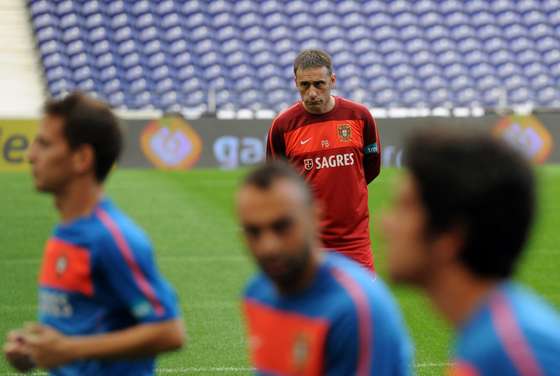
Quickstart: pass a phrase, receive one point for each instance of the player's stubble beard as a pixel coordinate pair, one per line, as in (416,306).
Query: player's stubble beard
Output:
(296,268)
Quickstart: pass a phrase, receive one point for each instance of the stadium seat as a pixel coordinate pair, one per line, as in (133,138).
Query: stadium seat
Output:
(168,53)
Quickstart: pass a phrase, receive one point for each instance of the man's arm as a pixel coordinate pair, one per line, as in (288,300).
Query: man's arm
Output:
(275,147)
(49,348)
(372,149)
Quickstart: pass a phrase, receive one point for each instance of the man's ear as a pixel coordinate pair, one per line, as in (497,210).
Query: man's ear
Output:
(84,159)
(448,245)
(333,79)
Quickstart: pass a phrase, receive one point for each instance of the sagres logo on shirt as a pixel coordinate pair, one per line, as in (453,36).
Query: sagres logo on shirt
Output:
(527,134)
(171,143)
(332,161)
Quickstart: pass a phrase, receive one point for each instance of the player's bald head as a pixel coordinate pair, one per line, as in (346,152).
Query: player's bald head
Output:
(280,175)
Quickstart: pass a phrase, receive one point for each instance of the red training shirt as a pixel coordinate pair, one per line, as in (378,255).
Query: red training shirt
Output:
(339,154)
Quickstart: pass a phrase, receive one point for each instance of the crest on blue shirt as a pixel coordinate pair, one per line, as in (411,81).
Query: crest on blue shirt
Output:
(301,351)
(61,265)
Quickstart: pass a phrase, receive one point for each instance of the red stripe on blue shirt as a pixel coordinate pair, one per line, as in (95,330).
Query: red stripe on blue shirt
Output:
(364,320)
(512,338)
(125,251)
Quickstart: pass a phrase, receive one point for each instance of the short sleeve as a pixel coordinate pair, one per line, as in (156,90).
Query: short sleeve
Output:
(132,278)
(275,147)
(372,148)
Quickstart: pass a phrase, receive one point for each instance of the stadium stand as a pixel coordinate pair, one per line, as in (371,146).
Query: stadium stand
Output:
(22,91)
(171,55)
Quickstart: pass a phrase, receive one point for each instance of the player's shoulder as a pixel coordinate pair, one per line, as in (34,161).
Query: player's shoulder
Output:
(287,115)
(357,282)
(259,288)
(536,318)
(116,229)
(483,340)
(348,104)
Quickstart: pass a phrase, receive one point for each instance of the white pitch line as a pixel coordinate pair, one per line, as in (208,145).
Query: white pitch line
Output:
(203,369)
(433,365)
(221,369)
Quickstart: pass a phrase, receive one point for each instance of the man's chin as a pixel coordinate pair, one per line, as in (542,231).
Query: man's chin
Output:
(42,188)
(317,107)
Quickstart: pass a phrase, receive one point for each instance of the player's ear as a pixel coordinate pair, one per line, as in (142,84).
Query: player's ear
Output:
(84,159)
(333,78)
(449,244)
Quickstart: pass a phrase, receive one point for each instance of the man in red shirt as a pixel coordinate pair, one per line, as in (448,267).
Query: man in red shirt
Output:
(334,143)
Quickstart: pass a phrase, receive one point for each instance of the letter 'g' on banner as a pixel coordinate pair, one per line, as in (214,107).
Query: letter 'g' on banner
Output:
(15,138)
(171,144)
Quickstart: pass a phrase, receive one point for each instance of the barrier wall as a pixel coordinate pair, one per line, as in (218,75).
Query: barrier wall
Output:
(174,143)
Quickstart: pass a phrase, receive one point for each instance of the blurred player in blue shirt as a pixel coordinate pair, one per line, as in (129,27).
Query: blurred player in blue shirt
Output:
(311,312)
(458,227)
(104,308)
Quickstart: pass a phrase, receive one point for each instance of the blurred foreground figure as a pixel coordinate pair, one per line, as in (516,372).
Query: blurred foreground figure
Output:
(457,229)
(311,312)
(104,309)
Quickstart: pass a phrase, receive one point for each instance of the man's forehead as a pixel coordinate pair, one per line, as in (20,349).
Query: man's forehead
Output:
(51,126)
(52,123)
(282,193)
(312,74)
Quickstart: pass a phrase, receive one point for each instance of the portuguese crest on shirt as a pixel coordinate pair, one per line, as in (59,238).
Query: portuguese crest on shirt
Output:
(344,132)
(301,351)
(61,265)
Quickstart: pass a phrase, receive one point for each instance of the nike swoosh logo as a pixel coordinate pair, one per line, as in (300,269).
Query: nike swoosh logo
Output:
(306,141)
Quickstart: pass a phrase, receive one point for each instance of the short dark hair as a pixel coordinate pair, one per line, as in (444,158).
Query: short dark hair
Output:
(265,175)
(480,184)
(313,58)
(89,121)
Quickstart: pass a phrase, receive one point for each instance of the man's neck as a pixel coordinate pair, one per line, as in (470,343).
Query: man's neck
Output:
(78,199)
(457,294)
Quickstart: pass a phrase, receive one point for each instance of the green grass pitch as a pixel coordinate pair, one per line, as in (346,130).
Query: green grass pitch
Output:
(189,217)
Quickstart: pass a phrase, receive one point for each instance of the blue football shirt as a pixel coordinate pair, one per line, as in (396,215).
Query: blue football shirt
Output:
(98,275)
(513,333)
(345,323)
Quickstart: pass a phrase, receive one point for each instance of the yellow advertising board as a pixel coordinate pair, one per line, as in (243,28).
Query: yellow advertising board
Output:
(15,138)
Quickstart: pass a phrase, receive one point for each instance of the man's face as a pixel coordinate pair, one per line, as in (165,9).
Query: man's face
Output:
(404,225)
(279,229)
(314,86)
(50,156)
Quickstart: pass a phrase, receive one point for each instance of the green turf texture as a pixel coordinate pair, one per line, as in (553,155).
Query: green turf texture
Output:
(190,219)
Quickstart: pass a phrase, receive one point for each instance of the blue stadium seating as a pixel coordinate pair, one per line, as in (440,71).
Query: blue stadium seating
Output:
(169,54)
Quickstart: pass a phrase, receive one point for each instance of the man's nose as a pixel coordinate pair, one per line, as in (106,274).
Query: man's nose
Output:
(269,243)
